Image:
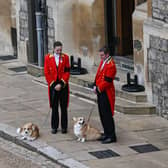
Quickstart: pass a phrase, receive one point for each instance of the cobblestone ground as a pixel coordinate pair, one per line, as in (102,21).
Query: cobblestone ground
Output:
(14,156)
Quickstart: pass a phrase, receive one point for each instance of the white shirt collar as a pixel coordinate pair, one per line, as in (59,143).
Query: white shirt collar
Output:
(56,55)
(56,58)
(104,62)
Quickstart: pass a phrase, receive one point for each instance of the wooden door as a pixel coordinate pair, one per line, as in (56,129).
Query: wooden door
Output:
(118,23)
(124,10)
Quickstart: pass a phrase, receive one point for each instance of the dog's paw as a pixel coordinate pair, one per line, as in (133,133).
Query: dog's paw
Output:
(23,138)
(31,139)
(83,140)
(79,139)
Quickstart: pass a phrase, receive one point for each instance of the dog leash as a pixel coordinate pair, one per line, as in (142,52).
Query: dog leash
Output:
(46,118)
(91,111)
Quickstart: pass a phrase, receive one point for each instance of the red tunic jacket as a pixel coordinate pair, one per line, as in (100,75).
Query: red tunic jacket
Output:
(104,80)
(52,72)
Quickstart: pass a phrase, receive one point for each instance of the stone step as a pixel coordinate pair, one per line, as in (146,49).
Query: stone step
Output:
(136,97)
(128,107)
(124,62)
(126,102)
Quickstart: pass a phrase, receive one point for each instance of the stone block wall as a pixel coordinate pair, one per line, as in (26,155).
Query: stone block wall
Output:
(160,10)
(158,73)
(51,29)
(23,31)
(156,56)
(23,20)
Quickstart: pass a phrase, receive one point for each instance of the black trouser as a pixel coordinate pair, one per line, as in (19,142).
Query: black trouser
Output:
(106,115)
(60,97)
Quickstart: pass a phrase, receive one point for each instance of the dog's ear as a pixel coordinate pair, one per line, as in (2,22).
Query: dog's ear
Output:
(33,127)
(74,119)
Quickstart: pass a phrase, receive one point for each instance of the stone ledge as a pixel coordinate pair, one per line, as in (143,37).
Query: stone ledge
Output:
(127,107)
(9,133)
(35,70)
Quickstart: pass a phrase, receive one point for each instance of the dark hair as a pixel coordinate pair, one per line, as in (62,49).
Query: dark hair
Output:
(104,49)
(57,43)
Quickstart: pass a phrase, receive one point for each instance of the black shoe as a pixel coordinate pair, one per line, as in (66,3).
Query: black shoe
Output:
(54,131)
(109,140)
(102,138)
(64,131)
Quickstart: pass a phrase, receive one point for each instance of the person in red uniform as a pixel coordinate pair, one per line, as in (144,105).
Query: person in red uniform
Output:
(57,73)
(104,88)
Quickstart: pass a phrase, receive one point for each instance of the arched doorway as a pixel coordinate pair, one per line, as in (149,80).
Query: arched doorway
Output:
(118,23)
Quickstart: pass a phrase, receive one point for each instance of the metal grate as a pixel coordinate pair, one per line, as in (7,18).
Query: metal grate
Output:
(19,69)
(104,154)
(8,57)
(145,148)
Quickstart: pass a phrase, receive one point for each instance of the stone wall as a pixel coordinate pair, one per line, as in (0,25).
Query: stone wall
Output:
(5,28)
(23,20)
(51,30)
(13,13)
(23,32)
(79,24)
(158,72)
(156,56)
(22,29)
(160,10)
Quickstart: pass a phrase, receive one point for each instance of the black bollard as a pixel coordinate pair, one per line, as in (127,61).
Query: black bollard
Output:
(76,67)
(72,61)
(128,79)
(79,64)
(136,80)
(132,84)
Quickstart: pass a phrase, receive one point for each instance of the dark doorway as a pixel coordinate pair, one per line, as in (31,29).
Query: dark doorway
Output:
(110,26)
(118,23)
(14,40)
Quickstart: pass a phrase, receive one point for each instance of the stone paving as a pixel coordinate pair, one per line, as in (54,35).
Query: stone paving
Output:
(23,98)
(16,156)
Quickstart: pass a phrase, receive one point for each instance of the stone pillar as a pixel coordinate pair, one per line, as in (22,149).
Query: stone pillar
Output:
(139,16)
(149,8)
(5,28)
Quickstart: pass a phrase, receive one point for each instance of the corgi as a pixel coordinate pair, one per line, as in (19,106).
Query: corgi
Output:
(29,131)
(84,131)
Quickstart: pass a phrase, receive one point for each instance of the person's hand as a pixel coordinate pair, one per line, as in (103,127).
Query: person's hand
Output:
(94,89)
(58,87)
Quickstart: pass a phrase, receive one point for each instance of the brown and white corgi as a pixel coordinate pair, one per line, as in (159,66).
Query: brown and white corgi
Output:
(84,131)
(29,131)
